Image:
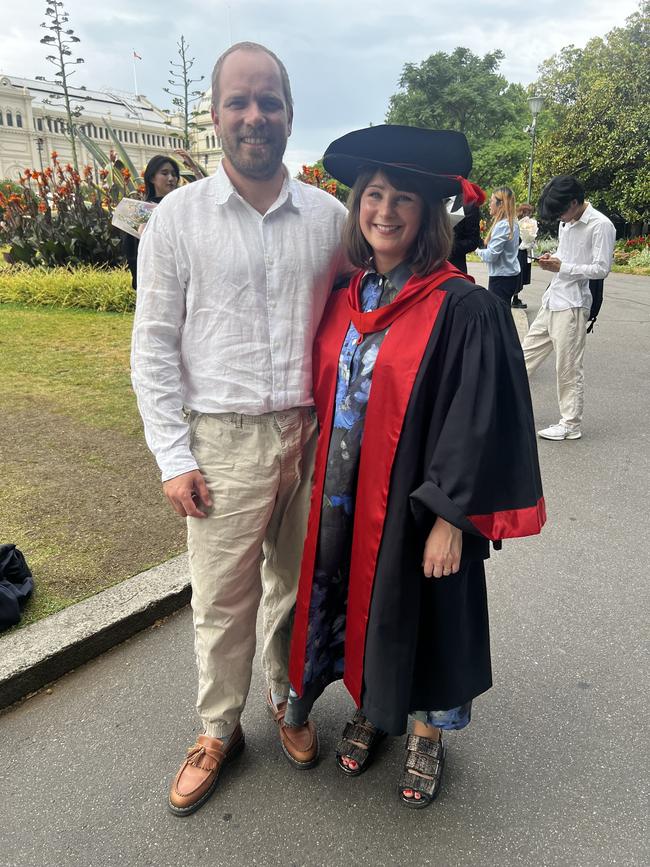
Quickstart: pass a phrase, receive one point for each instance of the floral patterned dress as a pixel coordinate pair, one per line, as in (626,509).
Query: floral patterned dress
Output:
(327,617)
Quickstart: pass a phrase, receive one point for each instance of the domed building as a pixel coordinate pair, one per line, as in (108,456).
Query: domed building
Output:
(206,144)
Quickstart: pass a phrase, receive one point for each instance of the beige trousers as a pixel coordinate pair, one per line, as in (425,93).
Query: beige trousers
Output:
(564,331)
(258,470)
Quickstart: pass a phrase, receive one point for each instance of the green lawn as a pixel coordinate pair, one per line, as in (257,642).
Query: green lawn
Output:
(80,493)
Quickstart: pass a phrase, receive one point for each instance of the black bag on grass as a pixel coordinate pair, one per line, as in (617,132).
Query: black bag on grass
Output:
(16,585)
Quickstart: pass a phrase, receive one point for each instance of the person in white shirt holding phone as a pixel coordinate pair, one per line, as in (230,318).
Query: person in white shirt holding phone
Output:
(585,249)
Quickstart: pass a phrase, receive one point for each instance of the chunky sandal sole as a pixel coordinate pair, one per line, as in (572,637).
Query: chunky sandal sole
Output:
(187,811)
(369,760)
(425,800)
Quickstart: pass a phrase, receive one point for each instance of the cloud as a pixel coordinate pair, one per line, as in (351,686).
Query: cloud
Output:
(345,57)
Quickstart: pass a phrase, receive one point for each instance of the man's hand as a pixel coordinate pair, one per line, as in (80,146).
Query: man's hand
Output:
(442,550)
(185,492)
(549,263)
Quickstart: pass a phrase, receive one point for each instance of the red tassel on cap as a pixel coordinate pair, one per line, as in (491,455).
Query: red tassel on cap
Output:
(472,193)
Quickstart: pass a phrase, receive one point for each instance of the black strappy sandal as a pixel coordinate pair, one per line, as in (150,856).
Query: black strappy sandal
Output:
(358,729)
(426,757)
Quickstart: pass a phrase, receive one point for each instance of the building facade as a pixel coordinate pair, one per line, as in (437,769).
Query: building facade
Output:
(32,125)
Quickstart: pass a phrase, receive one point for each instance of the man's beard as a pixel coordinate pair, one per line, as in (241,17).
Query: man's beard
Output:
(257,166)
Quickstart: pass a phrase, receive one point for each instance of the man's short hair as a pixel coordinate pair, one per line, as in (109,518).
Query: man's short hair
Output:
(251,46)
(557,196)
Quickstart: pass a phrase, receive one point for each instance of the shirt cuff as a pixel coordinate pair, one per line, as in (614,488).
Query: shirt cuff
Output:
(171,467)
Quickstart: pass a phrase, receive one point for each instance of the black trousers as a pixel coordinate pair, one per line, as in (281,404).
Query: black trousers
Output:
(504,287)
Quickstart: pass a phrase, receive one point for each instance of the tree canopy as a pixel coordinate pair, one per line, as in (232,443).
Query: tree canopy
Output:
(598,113)
(465,92)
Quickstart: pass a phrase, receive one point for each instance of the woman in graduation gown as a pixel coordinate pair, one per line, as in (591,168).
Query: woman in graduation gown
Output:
(426,453)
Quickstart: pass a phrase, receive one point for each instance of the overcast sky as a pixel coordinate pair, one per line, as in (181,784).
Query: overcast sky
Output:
(344,57)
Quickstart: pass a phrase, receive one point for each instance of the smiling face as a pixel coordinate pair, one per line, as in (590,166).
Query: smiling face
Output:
(252,117)
(390,220)
(165,180)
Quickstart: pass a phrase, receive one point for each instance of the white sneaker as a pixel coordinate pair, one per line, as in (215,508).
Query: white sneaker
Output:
(559,432)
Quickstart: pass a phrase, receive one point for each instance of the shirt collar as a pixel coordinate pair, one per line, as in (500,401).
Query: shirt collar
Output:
(290,193)
(586,214)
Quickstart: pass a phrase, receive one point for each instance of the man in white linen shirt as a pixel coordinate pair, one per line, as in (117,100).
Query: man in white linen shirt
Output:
(234,273)
(584,253)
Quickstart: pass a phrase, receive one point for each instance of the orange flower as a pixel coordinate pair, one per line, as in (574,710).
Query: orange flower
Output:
(88,172)
(103,173)
(54,155)
(42,207)
(48,172)
(14,199)
(126,174)
(28,173)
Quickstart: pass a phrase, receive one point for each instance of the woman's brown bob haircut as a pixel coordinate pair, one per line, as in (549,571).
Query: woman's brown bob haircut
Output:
(434,239)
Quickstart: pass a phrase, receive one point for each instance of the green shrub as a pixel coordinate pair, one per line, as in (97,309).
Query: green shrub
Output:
(59,216)
(545,245)
(104,289)
(641,259)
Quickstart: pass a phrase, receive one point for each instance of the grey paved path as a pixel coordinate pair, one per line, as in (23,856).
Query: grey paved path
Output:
(551,771)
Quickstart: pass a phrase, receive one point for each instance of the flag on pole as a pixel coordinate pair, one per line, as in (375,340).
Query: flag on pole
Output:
(136,56)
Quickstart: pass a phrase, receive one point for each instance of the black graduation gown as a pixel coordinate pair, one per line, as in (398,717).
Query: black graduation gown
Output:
(449,431)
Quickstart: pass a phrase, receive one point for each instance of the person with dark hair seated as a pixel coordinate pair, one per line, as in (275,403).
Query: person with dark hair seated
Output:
(426,453)
(585,249)
(161,176)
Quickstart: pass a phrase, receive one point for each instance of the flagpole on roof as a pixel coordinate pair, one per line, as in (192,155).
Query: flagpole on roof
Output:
(135,77)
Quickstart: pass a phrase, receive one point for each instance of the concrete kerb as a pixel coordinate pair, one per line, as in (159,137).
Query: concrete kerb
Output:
(34,656)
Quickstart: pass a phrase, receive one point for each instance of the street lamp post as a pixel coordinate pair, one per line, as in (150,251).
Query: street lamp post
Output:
(535,104)
(39,144)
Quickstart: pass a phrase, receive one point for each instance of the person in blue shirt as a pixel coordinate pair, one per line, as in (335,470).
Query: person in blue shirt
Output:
(502,245)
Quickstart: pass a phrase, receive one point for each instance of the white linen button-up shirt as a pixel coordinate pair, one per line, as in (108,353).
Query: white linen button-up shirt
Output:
(585,248)
(228,304)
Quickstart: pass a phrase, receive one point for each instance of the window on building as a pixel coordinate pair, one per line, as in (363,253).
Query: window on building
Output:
(39,124)
(10,119)
(136,137)
(19,119)
(2,120)
(213,142)
(207,141)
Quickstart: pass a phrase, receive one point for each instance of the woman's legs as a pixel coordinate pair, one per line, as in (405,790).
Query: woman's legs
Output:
(422,730)
(298,709)
(423,726)
(503,287)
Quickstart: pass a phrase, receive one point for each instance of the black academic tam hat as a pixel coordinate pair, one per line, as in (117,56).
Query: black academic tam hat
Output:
(438,160)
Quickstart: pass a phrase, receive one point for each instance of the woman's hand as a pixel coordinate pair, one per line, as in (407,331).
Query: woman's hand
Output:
(442,550)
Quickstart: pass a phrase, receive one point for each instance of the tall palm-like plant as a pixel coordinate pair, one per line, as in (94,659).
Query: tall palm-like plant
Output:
(60,39)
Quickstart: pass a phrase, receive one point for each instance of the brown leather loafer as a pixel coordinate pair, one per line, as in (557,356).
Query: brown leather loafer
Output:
(299,743)
(199,774)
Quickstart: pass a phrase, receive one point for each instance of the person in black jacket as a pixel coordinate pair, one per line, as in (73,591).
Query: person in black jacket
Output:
(161,176)
(467,234)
